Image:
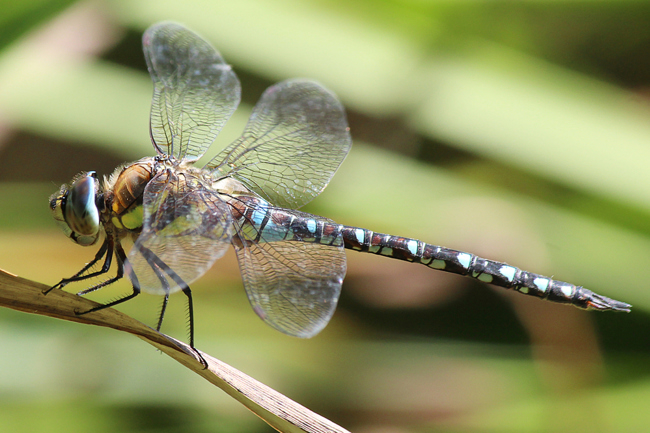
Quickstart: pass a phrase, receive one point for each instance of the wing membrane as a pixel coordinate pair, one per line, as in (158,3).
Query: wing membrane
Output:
(293,286)
(186,228)
(295,140)
(195,91)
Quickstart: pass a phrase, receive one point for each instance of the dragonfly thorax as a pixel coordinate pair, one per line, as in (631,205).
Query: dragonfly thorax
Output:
(124,191)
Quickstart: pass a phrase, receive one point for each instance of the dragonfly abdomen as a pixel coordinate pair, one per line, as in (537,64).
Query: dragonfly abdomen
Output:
(488,271)
(261,223)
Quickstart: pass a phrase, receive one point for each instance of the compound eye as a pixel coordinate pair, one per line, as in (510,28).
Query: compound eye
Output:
(81,212)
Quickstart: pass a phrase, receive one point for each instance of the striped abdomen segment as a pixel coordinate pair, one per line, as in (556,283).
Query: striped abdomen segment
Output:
(260,222)
(488,271)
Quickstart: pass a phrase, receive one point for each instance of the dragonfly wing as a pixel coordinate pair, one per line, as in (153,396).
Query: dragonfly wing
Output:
(186,228)
(295,140)
(195,91)
(293,286)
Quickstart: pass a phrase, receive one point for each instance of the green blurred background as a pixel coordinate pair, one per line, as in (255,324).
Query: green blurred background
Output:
(519,131)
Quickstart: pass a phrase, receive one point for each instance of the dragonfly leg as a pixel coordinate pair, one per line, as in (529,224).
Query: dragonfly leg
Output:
(190,314)
(136,292)
(121,259)
(105,249)
(158,265)
(162,312)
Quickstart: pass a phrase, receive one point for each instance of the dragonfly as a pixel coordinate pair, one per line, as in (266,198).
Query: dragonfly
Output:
(182,218)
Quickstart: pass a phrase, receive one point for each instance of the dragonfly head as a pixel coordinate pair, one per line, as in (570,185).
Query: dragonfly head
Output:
(76,208)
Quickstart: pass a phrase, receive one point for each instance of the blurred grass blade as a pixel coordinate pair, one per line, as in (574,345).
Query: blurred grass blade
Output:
(278,411)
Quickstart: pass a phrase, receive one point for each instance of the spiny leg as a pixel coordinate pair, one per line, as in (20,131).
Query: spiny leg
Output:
(163,282)
(121,260)
(190,313)
(163,308)
(105,249)
(160,269)
(157,265)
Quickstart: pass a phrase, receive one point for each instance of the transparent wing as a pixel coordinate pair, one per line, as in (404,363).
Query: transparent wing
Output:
(195,91)
(293,286)
(186,227)
(295,140)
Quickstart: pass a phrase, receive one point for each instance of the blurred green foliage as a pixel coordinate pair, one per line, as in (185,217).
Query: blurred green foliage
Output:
(514,130)
(19,17)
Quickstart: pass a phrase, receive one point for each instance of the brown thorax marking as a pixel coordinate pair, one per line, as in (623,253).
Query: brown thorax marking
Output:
(129,186)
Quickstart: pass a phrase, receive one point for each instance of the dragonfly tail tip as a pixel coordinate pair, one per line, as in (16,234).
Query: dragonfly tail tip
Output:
(603,303)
